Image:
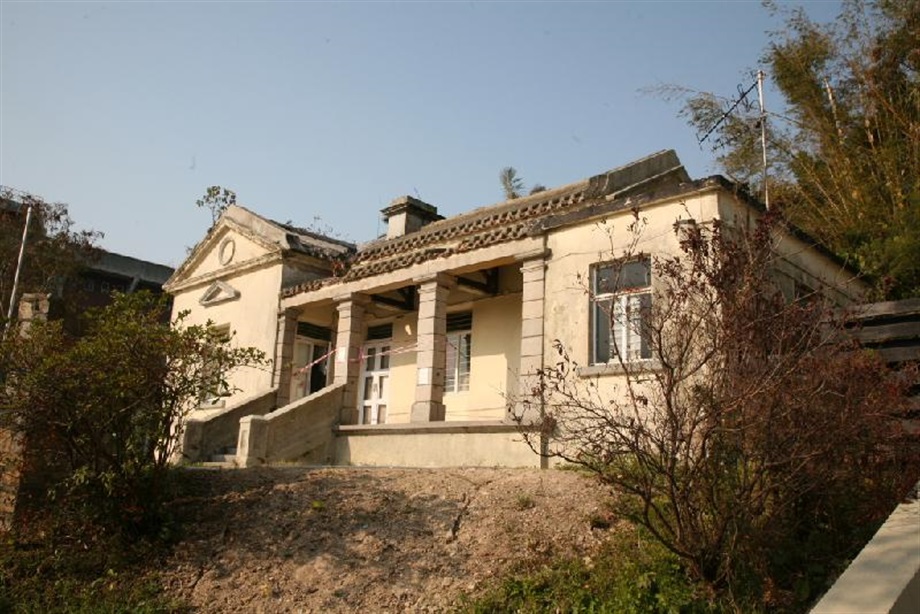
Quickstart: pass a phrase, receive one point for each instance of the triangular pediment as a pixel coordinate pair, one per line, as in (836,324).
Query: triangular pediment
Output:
(227,247)
(218,292)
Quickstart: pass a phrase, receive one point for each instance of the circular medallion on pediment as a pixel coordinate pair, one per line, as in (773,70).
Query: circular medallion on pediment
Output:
(226,251)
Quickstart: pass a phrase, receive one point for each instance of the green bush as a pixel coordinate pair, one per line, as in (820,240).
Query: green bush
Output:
(81,576)
(102,414)
(629,576)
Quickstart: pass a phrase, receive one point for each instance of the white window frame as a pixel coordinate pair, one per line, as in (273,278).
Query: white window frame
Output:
(623,312)
(457,370)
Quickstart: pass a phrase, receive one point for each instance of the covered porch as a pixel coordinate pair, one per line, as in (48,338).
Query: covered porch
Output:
(429,365)
(449,346)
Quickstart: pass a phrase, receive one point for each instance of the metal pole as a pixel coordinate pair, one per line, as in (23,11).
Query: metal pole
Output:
(763,137)
(22,251)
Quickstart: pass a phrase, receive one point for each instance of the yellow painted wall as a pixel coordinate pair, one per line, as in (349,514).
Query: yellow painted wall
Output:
(402,369)
(253,316)
(575,249)
(496,347)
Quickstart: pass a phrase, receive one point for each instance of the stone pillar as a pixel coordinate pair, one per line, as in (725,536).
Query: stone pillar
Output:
(348,340)
(252,444)
(533,272)
(432,348)
(34,307)
(20,459)
(284,355)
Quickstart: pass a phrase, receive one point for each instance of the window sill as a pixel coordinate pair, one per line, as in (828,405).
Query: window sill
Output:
(643,366)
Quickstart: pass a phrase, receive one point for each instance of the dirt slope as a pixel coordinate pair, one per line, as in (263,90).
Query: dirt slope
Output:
(371,540)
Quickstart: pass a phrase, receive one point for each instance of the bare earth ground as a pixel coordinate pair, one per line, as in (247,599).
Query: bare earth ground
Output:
(293,539)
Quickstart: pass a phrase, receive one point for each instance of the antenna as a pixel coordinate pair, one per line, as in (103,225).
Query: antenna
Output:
(742,99)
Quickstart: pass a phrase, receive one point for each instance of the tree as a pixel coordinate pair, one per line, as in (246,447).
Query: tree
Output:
(216,200)
(53,252)
(512,185)
(753,440)
(106,411)
(845,149)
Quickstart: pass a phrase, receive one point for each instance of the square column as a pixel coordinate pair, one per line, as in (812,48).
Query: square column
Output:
(533,273)
(284,355)
(431,356)
(348,340)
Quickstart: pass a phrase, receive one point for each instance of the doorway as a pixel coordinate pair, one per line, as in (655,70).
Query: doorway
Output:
(309,367)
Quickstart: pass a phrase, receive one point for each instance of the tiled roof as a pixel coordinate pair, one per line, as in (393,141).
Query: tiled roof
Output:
(314,243)
(478,229)
(507,221)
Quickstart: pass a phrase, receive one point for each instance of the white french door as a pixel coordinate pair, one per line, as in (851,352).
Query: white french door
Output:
(375,375)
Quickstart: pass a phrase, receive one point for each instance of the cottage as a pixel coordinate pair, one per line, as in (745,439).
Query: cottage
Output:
(408,349)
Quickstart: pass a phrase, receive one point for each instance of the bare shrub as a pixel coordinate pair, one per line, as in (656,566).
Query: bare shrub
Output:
(752,437)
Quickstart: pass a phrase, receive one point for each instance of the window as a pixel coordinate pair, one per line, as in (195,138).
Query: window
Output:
(621,297)
(213,370)
(459,343)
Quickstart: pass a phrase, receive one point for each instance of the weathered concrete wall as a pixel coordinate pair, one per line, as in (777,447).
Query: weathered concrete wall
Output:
(206,435)
(299,432)
(445,444)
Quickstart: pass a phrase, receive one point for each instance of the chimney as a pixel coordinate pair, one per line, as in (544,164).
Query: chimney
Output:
(407,214)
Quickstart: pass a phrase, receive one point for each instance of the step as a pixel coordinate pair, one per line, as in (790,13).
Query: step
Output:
(216,465)
(224,458)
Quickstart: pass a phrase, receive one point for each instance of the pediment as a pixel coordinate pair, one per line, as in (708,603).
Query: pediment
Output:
(226,248)
(218,292)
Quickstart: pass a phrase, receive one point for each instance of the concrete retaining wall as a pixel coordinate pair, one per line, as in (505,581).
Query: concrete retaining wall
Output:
(885,576)
(445,444)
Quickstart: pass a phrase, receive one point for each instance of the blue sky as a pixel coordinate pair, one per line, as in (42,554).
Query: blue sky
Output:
(129,110)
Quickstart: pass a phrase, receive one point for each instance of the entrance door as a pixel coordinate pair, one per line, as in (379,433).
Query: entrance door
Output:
(309,371)
(375,373)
